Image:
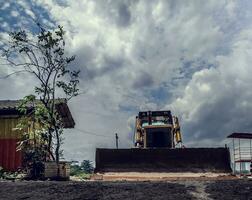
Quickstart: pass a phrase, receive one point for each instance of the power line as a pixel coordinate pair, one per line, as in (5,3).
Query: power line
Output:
(91,133)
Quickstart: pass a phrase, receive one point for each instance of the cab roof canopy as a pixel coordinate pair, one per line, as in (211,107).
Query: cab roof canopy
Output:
(9,108)
(154,113)
(240,135)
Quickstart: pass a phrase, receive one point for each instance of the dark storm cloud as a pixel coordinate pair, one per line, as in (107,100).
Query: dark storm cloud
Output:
(111,64)
(107,65)
(143,80)
(117,12)
(216,120)
(124,15)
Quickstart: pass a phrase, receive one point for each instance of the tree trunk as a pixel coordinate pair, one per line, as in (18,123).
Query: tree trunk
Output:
(57,151)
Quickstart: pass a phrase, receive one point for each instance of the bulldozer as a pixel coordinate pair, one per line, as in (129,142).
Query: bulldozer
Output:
(158,147)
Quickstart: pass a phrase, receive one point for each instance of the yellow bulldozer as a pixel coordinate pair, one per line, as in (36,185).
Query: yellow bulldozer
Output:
(157,129)
(158,148)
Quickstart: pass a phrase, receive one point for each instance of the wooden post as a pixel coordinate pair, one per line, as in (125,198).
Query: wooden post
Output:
(250,150)
(240,153)
(116,136)
(250,157)
(234,154)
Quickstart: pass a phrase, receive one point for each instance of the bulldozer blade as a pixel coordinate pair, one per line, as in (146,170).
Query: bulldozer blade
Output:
(163,160)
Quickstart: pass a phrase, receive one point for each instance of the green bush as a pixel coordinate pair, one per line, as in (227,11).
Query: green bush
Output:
(87,166)
(9,175)
(83,171)
(1,172)
(18,175)
(33,161)
(75,170)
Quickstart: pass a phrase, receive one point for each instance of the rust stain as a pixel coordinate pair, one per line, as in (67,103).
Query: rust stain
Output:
(10,159)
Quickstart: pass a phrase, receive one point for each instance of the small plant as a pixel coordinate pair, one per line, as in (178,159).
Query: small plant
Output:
(75,170)
(11,175)
(87,166)
(82,171)
(1,172)
(34,163)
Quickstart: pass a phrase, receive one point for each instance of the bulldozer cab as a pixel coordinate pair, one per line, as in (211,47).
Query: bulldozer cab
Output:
(158,137)
(154,129)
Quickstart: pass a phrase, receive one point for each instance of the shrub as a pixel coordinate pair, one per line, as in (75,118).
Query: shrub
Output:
(87,166)
(1,172)
(75,170)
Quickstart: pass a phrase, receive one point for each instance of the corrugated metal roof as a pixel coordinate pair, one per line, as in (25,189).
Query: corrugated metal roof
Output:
(9,107)
(240,135)
(13,104)
(9,104)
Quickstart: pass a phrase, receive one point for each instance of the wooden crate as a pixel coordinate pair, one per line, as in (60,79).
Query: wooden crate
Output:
(51,170)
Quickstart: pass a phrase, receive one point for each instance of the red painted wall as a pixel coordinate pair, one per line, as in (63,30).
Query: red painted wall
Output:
(10,158)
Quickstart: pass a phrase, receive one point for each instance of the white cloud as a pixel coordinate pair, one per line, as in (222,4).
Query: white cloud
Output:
(217,101)
(137,55)
(14,13)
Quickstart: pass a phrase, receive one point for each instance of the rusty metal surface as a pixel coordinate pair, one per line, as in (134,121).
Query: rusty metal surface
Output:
(6,128)
(163,160)
(10,159)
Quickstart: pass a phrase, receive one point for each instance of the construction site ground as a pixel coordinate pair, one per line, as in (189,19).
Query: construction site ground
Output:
(160,176)
(109,190)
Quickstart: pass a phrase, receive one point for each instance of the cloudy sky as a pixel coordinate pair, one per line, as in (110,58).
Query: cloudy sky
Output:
(191,57)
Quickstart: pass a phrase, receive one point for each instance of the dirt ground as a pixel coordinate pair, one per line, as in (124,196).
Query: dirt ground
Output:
(95,190)
(161,176)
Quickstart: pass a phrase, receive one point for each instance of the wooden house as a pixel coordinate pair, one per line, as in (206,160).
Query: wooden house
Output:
(10,158)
